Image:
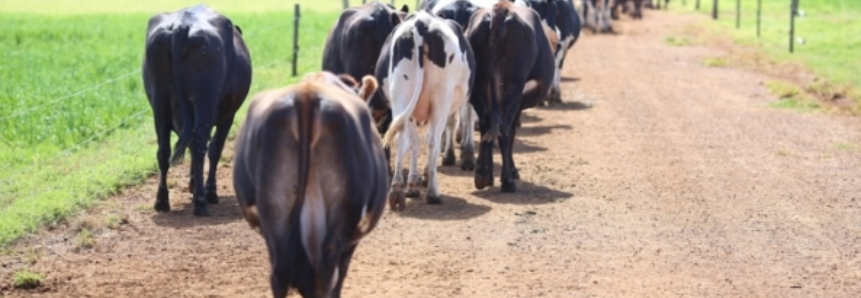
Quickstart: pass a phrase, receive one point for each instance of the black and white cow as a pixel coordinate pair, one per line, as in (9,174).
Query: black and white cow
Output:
(514,71)
(426,70)
(564,19)
(597,15)
(633,7)
(196,73)
(310,176)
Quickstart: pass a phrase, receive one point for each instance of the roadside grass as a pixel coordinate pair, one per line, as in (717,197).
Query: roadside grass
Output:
(827,42)
(791,97)
(65,155)
(26,279)
(677,41)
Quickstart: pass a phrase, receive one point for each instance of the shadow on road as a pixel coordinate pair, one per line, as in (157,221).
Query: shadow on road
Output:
(527,193)
(538,130)
(527,118)
(452,208)
(567,106)
(181,214)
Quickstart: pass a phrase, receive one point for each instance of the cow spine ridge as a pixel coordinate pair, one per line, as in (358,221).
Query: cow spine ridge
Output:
(400,120)
(177,47)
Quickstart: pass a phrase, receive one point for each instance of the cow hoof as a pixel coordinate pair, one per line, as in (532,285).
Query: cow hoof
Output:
(448,160)
(397,201)
(212,198)
(483,180)
(201,208)
(433,200)
(515,174)
(162,206)
(509,186)
(467,165)
(413,193)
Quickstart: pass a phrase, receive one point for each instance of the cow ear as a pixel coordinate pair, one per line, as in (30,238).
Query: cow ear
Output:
(238,29)
(369,86)
(405,8)
(348,80)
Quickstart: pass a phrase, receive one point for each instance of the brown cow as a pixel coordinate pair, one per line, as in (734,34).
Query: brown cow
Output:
(310,176)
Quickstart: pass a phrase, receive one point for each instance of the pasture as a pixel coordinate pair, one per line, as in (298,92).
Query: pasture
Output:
(640,184)
(826,39)
(75,124)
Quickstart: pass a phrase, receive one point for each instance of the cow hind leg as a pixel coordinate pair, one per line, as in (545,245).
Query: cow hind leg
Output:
(434,134)
(448,136)
(198,154)
(215,149)
(396,193)
(467,147)
(484,167)
(413,178)
(162,127)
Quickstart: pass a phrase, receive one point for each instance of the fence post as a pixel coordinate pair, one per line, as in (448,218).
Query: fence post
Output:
(697,5)
(793,10)
(715,10)
(346,4)
(758,16)
(737,14)
(296,16)
(363,1)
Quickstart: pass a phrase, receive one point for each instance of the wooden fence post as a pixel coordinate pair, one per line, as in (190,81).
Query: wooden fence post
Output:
(296,16)
(346,4)
(697,5)
(758,16)
(715,10)
(793,10)
(737,14)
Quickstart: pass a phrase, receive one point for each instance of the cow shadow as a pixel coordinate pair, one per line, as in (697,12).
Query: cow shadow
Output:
(452,208)
(567,106)
(524,146)
(527,118)
(569,79)
(181,214)
(528,193)
(540,130)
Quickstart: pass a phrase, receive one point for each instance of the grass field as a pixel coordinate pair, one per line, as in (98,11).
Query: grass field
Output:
(828,39)
(75,125)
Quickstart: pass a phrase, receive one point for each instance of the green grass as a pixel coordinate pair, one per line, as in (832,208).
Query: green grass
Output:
(25,279)
(715,62)
(791,97)
(66,154)
(830,31)
(677,41)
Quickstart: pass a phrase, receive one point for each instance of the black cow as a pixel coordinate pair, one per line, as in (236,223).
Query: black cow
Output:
(196,72)
(310,176)
(354,45)
(515,68)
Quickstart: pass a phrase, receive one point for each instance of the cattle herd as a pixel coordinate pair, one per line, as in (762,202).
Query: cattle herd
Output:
(311,168)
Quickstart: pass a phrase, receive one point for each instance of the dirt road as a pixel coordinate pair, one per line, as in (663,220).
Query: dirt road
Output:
(658,177)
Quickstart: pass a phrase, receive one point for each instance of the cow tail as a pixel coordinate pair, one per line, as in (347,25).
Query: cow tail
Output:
(178,42)
(497,27)
(400,120)
(308,216)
